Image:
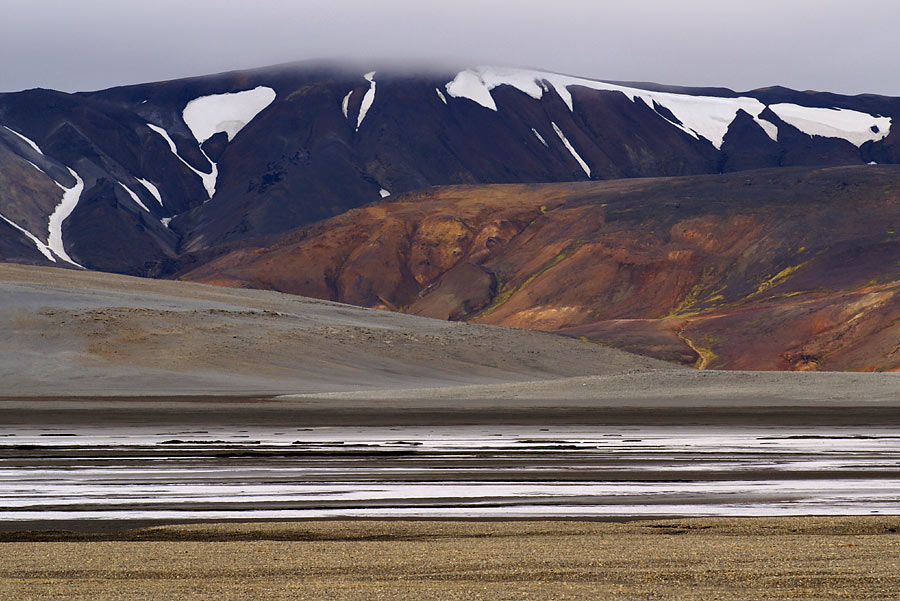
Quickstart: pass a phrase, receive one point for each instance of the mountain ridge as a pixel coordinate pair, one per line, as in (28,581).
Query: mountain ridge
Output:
(314,153)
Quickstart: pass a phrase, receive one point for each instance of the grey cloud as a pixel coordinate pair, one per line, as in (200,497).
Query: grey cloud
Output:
(806,44)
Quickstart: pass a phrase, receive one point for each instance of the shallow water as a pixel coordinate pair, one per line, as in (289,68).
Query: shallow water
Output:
(459,471)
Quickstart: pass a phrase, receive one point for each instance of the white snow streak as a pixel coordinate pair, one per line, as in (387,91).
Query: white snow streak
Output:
(540,137)
(853,126)
(168,139)
(32,144)
(151,189)
(134,197)
(43,248)
(441,95)
(384,193)
(575,154)
(68,203)
(706,116)
(367,100)
(26,140)
(345,103)
(208,179)
(165,221)
(229,113)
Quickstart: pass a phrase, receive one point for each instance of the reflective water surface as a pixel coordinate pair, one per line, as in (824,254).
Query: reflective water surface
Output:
(458,471)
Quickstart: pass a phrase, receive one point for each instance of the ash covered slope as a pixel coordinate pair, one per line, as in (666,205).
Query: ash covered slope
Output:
(81,333)
(125,179)
(771,269)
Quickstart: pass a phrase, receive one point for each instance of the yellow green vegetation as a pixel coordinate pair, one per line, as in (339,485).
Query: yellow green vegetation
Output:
(505,295)
(705,355)
(778,278)
(693,297)
(686,303)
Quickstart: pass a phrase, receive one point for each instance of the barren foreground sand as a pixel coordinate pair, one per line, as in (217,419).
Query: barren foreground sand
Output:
(698,559)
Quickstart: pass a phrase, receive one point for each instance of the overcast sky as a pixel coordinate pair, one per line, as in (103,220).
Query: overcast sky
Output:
(836,45)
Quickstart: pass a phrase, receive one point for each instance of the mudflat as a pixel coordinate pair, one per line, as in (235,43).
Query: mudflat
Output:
(699,559)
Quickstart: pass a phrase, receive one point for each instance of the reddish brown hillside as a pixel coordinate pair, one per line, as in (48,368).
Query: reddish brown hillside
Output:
(774,269)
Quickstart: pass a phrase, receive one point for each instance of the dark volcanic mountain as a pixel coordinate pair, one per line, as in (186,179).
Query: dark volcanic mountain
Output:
(129,178)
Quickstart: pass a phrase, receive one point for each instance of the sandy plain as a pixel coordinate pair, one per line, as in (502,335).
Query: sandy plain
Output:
(707,559)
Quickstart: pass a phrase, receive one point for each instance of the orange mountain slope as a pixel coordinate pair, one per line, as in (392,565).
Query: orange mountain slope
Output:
(775,269)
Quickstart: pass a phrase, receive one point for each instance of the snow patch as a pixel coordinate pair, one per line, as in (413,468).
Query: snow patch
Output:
(33,145)
(35,166)
(540,137)
(69,201)
(43,248)
(165,221)
(134,197)
(153,190)
(345,103)
(208,179)
(208,115)
(571,149)
(853,126)
(28,141)
(167,138)
(367,100)
(699,116)
(468,84)
(770,128)
(441,95)
(384,193)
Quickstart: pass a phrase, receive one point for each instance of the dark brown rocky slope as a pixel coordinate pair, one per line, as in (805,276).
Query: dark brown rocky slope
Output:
(773,269)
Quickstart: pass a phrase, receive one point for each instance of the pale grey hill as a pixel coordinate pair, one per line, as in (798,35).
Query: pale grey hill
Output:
(75,333)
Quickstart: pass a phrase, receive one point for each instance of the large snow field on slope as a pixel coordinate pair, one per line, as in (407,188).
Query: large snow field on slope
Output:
(853,126)
(706,116)
(208,115)
(700,116)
